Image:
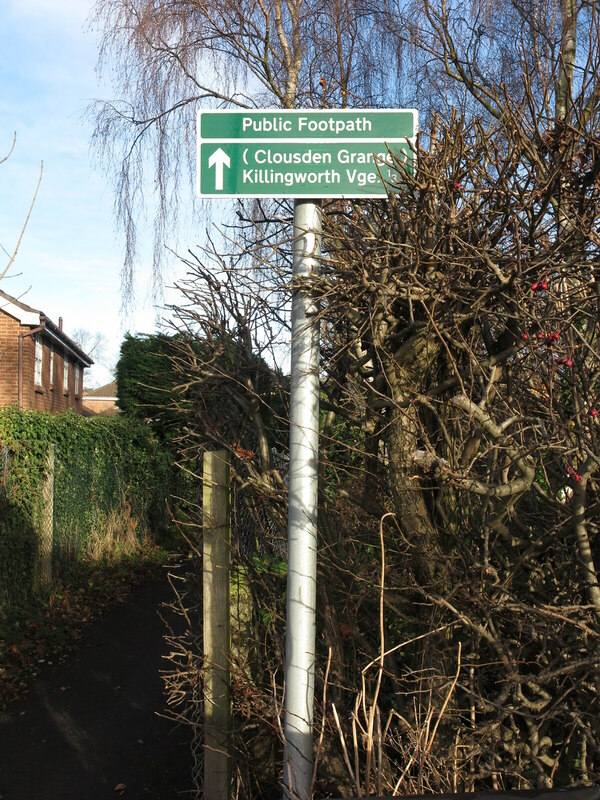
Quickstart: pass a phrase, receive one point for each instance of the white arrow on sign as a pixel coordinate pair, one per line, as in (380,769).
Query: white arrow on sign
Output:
(219,159)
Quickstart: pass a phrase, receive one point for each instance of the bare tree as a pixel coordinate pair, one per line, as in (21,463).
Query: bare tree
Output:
(167,60)
(93,343)
(461,389)
(461,381)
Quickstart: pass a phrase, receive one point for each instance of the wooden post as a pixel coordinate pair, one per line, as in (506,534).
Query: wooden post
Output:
(43,565)
(216,626)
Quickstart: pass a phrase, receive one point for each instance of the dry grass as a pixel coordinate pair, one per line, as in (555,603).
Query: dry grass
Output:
(115,535)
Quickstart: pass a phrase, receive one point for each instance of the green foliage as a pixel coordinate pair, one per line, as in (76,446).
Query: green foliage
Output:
(146,376)
(170,381)
(102,465)
(270,564)
(17,552)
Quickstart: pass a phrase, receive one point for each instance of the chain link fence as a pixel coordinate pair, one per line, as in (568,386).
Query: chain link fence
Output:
(63,501)
(67,508)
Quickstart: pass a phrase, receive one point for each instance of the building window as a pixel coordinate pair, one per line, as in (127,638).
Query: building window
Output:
(39,354)
(51,366)
(66,375)
(77,374)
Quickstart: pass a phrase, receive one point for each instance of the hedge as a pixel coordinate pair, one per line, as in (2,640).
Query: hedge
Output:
(102,465)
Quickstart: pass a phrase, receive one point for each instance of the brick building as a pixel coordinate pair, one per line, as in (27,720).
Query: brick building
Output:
(102,400)
(40,367)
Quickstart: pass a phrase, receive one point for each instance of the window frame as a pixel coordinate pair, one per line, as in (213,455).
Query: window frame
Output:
(38,360)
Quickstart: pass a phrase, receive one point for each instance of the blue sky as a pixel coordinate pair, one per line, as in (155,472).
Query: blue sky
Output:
(69,261)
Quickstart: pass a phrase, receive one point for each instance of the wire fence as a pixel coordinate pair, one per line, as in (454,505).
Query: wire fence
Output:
(52,518)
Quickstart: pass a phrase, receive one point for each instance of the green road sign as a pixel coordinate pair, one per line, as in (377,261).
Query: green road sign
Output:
(273,169)
(373,124)
(298,153)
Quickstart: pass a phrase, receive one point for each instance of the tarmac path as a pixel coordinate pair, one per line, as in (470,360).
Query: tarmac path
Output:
(89,728)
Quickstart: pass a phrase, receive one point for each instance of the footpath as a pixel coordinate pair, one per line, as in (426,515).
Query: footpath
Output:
(90,729)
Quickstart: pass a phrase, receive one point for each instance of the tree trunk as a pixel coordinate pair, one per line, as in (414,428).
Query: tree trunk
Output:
(413,513)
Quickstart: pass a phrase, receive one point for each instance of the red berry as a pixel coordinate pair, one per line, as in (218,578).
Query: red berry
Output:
(525,337)
(570,471)
(543,285)
(594,412)
(540,335)
(556,337)
(578,477)
(568,362)
(456,186)
(534,287)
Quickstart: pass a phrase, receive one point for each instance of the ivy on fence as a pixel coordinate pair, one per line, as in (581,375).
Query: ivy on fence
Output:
(103,466)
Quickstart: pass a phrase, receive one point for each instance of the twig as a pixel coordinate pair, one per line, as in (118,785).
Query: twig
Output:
(345,750)
(446,701)
(14,255)
(441,629)
(322,733)
(12,147)
(355,743)
(381,659)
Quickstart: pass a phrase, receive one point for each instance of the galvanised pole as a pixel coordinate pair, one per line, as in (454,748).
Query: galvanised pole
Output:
(303,503)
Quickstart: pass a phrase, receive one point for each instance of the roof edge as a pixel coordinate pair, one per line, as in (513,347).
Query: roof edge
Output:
(27,315)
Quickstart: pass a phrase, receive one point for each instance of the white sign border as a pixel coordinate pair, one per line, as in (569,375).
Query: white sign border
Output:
(274,139)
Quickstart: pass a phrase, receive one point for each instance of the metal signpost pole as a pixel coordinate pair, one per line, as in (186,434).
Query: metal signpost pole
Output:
(303,153)
(303,506)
